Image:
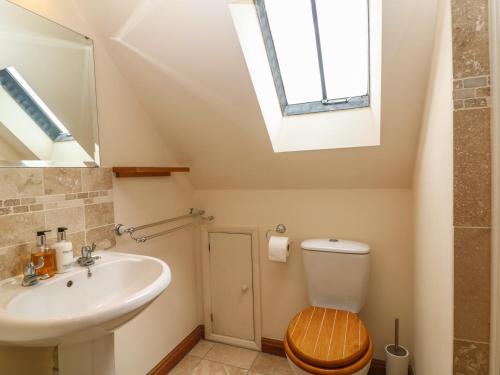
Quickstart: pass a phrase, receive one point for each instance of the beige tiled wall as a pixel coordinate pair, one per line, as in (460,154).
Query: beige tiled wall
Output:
(472,186)
(33,199)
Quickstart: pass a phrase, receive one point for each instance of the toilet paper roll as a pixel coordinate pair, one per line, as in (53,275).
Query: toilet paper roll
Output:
(279,249)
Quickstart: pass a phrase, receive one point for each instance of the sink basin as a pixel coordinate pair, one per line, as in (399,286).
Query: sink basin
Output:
(73,307)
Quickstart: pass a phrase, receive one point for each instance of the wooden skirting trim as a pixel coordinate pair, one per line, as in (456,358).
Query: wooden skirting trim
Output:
(273,346)
(377,367)
(175,356)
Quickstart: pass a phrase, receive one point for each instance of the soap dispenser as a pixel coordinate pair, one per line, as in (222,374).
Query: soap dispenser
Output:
(42,250)
(64,251)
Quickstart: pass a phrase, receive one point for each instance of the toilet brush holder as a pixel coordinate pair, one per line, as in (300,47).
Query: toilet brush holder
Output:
(397,357)
(396,362)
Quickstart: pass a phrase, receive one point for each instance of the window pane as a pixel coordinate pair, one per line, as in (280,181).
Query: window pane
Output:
(343,28)
(292,29)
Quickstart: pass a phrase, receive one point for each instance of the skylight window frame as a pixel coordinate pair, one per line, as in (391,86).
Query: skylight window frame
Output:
(325,105)
(52,126)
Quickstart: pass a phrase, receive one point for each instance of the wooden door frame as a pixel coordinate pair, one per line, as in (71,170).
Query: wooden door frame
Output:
(495,143)
(207,303)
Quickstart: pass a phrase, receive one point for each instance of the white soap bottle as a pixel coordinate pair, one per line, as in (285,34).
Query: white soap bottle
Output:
(64,251)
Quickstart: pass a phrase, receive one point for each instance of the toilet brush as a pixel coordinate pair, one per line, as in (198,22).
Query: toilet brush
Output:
(396,335)
(396,356)
(397,349)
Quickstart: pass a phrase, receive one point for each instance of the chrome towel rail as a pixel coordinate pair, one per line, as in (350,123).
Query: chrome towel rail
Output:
(120,229)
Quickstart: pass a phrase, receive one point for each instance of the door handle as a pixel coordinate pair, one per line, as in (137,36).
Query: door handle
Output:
(244,288)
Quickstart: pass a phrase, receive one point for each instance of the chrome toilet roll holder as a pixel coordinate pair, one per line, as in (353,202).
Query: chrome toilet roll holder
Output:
(280,228)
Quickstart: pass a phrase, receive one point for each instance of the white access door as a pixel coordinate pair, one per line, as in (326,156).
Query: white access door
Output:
(231,289)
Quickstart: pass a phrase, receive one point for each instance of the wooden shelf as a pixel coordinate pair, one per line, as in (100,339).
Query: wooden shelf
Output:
(147,171)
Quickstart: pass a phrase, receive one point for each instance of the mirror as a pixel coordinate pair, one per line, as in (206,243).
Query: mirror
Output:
(48,109)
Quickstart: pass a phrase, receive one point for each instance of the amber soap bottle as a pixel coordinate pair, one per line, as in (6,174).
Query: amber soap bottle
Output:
(42,250)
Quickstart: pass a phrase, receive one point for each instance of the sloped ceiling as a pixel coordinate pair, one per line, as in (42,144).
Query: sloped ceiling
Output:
(183,61)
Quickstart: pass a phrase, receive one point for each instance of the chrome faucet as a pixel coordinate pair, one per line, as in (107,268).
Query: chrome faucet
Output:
(30,277)
(87,260)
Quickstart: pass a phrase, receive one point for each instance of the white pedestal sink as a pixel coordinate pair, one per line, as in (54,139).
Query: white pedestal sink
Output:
(79,313)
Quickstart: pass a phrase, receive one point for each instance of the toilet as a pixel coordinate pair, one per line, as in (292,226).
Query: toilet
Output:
(328,338)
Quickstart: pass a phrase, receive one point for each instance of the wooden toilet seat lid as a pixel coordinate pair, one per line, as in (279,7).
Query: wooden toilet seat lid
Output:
(327,338)
(348,370)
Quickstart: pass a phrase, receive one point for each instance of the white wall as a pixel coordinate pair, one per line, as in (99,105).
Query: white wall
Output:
(433,194)
(128,138)
(381,218)
(202,96)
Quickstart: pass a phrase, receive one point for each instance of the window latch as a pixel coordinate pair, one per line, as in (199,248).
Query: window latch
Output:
(336,101)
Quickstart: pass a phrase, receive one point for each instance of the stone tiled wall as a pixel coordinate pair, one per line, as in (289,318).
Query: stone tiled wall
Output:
(80,199)
(472,187)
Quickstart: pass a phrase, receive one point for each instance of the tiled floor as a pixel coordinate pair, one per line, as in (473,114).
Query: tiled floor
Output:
(208,358)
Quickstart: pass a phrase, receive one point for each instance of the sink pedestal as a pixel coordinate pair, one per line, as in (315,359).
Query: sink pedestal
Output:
(96,357)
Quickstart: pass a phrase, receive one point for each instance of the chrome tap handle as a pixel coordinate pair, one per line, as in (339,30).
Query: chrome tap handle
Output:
(88,250)
(30,277)
(30,268)
(87,260)
(85,251)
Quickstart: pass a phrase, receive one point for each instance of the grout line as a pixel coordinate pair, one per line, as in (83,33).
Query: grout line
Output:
(194,368)
(467,77)
(43,181)
(209,350)
(254,360)
(472,341)
(225,364)
(470,108)
(472,227)
(98,227)
(81,180)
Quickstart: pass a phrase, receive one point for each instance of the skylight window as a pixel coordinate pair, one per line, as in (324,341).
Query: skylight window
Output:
(15,85)
(318,51)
